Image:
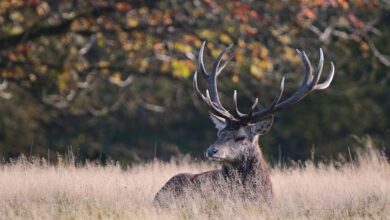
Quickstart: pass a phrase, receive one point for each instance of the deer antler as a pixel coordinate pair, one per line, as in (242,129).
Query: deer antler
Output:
(211,97)
(309,84)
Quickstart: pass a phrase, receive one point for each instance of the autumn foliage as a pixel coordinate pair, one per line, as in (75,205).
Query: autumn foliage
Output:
(114,77)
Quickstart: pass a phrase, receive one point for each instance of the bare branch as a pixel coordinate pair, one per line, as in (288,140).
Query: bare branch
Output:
(385,59)
(121,83)
(4,94)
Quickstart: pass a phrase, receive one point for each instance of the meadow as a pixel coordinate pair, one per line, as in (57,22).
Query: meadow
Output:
(34,189)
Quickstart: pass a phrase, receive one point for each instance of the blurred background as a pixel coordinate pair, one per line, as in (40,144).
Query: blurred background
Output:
(113,79)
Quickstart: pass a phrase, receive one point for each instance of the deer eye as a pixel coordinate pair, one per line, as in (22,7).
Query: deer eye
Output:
(239,139)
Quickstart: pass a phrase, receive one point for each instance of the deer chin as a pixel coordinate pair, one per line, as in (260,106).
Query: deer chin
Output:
(217,159)
(222,160)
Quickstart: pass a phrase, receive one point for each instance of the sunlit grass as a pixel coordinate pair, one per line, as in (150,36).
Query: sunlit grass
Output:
(36,190)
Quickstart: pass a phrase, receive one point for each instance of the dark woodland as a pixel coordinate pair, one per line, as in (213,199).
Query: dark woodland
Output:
(113,79)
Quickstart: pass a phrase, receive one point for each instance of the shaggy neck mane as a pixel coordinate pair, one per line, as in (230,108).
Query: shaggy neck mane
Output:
(252,168)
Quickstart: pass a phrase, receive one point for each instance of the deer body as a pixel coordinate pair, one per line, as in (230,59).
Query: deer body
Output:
(237,147)
(252,174)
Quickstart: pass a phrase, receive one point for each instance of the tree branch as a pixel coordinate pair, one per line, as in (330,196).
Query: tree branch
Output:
(55,29)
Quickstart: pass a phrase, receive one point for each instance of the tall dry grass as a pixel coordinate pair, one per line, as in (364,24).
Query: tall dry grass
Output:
(40,191)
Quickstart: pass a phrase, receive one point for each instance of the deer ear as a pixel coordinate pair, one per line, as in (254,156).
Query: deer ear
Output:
(220,123)
(263,126)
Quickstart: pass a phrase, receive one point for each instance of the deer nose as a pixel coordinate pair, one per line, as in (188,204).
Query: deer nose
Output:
(211,152)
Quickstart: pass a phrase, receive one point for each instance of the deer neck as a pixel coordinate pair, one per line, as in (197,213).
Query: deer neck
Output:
(252,167)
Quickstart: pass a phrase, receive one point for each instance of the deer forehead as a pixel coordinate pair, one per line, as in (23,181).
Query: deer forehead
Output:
(239,132)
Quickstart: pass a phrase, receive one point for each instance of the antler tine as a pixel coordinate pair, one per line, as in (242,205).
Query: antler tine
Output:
(224,64)
(211,97)
(223,113)
(328,80)
(238,113)
(208,101)
(218,60)
(253,107)
(201,66)
(280,93)
(212,78)
(309,84)
(195,84)
(318,71)
(217,69)
(207,98)
(242,115)
(308,69)
(218,117)
(272,106)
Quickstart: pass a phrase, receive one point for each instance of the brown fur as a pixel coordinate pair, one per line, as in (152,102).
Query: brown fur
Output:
(237,143)
(251,175)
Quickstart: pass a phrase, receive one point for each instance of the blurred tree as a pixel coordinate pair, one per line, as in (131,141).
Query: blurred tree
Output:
(105,76)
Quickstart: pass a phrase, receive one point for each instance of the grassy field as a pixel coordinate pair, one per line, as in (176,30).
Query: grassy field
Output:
(36,190)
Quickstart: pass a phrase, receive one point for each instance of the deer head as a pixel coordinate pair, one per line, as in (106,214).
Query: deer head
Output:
(238,133)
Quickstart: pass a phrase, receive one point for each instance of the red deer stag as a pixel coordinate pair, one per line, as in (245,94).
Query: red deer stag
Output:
(237,147)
